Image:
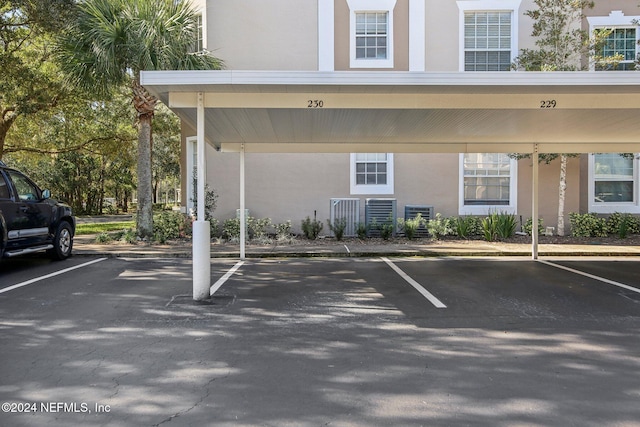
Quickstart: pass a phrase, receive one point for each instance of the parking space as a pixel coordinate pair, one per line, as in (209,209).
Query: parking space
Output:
(313,341)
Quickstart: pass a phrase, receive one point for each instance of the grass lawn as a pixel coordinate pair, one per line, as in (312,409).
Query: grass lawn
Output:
(97,228)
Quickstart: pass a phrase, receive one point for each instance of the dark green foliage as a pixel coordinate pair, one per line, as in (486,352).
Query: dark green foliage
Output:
(338,227)
(311,228)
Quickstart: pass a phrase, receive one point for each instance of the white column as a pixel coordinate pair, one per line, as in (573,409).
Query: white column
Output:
(243,219)
(534,204)
(417,35)
(201,229)
(326,35)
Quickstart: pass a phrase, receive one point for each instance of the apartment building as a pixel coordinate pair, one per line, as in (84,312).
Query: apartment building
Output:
(403,159)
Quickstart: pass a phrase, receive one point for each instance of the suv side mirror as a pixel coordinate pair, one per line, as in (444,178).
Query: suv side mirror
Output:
(46,194)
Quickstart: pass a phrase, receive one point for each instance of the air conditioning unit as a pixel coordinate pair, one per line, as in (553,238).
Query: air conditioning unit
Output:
(349,209)
(427,212)
(379,212)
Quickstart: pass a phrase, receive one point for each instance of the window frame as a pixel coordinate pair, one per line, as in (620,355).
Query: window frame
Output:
(371,189)
(470,6)
(510,208)
(611,207)
(371,6)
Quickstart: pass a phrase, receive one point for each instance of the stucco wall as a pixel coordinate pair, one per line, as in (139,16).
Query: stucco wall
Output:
(264,35)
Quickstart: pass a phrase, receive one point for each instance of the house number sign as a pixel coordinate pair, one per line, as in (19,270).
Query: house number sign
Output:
(315,103)
(549,103)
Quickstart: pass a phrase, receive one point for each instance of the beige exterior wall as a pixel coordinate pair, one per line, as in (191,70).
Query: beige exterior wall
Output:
(282,35)
(264,35)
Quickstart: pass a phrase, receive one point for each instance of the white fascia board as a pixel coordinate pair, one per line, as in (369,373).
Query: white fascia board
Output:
(199,80)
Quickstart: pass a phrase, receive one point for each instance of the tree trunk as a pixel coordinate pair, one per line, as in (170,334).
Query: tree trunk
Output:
(561,193)
(145,187)
(145,105)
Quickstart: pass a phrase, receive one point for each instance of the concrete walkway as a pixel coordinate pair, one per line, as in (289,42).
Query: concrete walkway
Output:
(85,245)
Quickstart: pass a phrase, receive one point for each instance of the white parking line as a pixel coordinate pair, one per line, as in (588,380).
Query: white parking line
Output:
(591,276)
(425,293)
(57,273)
(224,278)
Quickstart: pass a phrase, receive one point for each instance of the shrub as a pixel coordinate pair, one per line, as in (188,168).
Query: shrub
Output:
(490,228)
(506,226)
(210,199)
(258,227)
(361,230)
(438,227)
(128,235)
(587,225)
(231,229)
(169,225)
(410,226)
(528,226)
(464,226)
(103,238)
(622,224)
(311,228)
(338,227)
(283,231)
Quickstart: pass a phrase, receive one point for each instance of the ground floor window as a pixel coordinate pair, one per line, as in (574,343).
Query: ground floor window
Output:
(613,183)
(487,183)
(371,173)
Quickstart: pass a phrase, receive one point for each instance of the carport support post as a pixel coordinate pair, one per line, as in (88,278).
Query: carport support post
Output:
(534,205)
(201,229)
(243,216)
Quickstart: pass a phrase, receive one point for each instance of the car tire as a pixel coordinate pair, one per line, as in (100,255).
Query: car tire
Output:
(62,242)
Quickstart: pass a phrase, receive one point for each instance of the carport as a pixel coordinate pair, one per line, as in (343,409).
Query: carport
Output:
(401,112)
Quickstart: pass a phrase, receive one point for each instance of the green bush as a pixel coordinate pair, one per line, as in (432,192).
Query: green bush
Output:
(311,228)
(439,227)
(283,230)
(528,226)
(169,225)
(338,227)
(231,229)
(490,228)
(361,230)
(498,226)
(411,226)
(258,227)
(103,238)
(622,224)
(587,225)
(465,226)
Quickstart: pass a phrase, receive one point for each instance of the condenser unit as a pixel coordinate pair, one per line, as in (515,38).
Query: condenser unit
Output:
(379,212)
(411,211)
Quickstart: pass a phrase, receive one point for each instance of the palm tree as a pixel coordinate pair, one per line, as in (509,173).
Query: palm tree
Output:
(111,42)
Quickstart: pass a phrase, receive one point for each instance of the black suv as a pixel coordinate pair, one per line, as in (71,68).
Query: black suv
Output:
(30,221)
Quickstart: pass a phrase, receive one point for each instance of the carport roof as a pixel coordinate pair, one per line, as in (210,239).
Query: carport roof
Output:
(378,111)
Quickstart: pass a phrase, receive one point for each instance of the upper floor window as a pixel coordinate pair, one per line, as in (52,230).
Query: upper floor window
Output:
(619,50)
(199,42)
(371,33)
(488,183)
(487,41)
(371,173)
(488,34)
(620,44)
(613,183)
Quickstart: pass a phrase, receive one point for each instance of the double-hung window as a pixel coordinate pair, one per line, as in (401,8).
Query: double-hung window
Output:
(488,34)
(371,173)
(488,183)
(487,41)
(613,183)
(371,33)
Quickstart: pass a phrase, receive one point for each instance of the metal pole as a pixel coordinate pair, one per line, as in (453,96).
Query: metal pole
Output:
(201,229)
(243,219)
(534,205)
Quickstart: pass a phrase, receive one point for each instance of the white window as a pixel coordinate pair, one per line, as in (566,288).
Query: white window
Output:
(371,173)
(488,34)
(192,166)
(613,183)
(622,41)
(199,34)
(488,183)
(371,33)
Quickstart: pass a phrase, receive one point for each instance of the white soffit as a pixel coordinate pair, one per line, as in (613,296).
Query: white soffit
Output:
(271,111)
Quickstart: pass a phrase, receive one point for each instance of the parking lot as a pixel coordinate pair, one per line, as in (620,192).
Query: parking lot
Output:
(322,341)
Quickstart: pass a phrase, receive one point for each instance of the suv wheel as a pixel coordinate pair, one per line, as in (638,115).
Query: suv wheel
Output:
(62,242)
